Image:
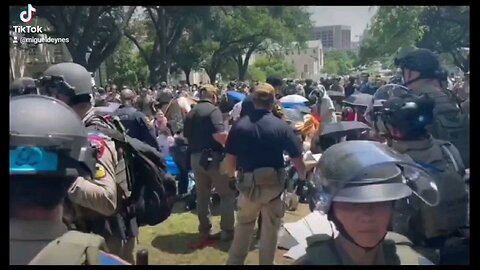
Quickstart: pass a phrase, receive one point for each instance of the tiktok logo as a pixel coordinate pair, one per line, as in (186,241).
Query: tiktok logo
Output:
(27,15)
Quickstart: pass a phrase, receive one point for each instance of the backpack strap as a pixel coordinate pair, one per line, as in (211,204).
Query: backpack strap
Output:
(452,154)
(72,248)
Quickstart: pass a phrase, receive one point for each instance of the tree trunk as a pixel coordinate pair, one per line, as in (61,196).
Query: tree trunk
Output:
(243,63)
(242,71)
(187,72)
(163,46)
(212,74)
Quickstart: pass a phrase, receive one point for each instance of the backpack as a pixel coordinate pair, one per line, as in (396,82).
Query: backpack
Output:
(150,190)
(449,123)
(445,166)
(72,248)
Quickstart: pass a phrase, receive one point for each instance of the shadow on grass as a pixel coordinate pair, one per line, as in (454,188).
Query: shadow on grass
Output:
(176,243)
(180,207)
(187,243)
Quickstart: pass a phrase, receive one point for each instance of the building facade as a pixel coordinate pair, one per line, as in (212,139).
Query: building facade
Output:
(308,62)
(334,36)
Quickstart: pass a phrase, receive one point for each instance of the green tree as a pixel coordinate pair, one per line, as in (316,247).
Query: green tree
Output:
(339,62)
(265,25)
(442,29)
(269,66)
(238,32)
(126,66)
(94,31)
(164,27)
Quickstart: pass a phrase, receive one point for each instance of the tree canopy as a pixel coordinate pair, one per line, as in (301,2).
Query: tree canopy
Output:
(442,29)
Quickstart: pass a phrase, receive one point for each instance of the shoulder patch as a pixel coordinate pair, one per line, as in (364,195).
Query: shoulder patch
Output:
(97,140)
(101,172)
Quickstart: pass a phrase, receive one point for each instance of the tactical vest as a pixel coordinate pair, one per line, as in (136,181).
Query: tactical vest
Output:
(397,250)
(449,123)
(443,162)
(72,248)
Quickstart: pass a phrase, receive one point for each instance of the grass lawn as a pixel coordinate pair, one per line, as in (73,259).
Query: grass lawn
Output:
(170,242)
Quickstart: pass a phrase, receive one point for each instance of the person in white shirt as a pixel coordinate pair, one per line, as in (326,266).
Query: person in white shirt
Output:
(324,105)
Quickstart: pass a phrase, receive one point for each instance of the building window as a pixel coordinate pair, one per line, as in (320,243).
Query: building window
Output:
(293,62)
(298,51)
(286,53)
(305,68)
(314,51)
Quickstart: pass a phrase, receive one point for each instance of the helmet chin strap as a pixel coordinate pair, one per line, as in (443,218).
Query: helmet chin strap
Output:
(347,236)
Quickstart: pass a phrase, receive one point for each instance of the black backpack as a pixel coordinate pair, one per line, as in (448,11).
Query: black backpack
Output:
(151,190)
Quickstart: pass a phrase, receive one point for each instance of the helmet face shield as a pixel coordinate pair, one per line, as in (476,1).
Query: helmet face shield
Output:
(421,184)
(367,172)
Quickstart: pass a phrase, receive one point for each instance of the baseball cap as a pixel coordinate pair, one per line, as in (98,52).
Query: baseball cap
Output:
(264,91)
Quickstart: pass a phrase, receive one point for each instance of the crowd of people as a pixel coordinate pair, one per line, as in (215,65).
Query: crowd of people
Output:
(392,178)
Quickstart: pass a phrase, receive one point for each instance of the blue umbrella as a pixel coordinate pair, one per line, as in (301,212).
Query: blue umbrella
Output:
(235,96)
(294,105)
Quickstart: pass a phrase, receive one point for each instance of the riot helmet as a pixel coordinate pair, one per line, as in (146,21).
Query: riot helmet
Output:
(409,114)
(69,79)
(361,172)
(47,138)
(382,94)
(420,60)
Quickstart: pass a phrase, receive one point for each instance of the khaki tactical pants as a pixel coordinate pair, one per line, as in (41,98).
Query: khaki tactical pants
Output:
(204,179)
(266,200)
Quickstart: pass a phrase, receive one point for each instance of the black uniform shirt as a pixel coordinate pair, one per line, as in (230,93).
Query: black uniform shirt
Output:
(259,140)
(201,123)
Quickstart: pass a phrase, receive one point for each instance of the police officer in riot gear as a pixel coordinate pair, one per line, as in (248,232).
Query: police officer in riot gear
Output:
(356,184)
(49,150)
(422,74)
(95,201)
(403,119)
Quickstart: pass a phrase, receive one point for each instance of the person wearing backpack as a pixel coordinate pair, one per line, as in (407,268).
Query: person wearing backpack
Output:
(46,158)
(98,205)
(422,74)
(440,229)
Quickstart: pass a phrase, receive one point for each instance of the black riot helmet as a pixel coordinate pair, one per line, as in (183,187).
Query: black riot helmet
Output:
(409,114)
(69,79)
(47,138)
(420,60)
(382,94)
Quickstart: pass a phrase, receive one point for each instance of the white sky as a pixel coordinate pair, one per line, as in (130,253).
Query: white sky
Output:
(357,17)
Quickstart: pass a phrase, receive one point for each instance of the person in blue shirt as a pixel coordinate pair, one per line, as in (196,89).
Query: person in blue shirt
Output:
(135,122)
